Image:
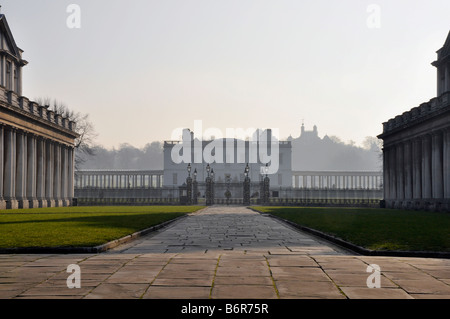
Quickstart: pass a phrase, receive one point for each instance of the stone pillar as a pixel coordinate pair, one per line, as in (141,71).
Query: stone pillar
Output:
(64,178)
(446,161)
(10,169)
(417,168)
(57,175)
(437,166)
(447,78)
(40,172)
(439,81)
(21,169)
(71,174)
(426,167)
(392,174)
(49,173)
(408,178)
(2,165)
(32,171)
(399,172)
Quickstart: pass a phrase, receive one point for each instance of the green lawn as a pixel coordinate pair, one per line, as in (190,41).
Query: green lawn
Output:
(80,226)
(376,229)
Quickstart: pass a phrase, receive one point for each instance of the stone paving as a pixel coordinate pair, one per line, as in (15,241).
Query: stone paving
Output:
(224,253)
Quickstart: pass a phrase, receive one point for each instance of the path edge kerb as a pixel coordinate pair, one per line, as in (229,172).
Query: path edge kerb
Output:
(358,249)
(91,250)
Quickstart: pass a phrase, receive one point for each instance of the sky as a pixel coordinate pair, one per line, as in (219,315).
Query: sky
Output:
(143,68)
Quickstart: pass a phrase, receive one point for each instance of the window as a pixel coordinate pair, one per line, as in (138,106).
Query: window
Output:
(16,82)
(8,75)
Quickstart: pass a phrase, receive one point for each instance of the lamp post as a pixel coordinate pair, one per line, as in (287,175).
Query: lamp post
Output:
(228,191)
(212,187)
(246,186)
(208,193)
(189,185)
(195,186)
(266,185)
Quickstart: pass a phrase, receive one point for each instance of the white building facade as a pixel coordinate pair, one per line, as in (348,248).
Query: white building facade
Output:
(228,158)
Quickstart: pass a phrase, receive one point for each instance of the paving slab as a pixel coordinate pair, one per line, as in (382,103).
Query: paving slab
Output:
(244,292)
(375,293)
(164,292)
(308,289)
(224,252)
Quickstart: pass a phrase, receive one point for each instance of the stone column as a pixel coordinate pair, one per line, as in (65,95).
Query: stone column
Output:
(426,167)
(392,174)
(2,165)
(64,173)
(40,172)
(21,169)
(10,169)
(417,168)
(57,185)
(49,173)
(32,171)
(437,166)
(71,174)
(399,172)
(447,78)
(407,158)
(439,81)
(446,161)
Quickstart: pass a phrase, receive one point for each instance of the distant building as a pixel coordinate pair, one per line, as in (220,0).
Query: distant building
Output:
(36,145)
(230,167)
(416,154)
(311,152)
(231,156)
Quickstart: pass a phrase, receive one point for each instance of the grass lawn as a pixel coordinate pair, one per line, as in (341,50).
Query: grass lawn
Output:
(80,226)
(376,229)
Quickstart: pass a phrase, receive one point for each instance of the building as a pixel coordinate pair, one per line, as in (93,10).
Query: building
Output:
(416,154)
(234,156)
(227,160)
(36,145)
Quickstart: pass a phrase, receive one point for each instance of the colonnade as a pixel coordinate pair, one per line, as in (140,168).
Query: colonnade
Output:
(34,171)
(110,179)
(337,180)
(418,169)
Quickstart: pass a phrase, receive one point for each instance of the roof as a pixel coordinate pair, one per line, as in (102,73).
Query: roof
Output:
(15,51)
(444,52)
(446,48)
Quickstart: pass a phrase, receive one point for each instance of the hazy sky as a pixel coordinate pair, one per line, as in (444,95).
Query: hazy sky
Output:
(142,68)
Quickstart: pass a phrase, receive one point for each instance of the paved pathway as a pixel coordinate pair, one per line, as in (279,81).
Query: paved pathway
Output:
(223,252)
(229,229)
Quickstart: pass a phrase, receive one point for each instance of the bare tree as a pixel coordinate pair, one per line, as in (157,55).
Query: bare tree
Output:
(84,144)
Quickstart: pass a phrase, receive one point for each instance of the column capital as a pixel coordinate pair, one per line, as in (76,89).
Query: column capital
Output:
(437,133)
(10,128)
